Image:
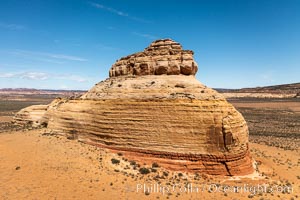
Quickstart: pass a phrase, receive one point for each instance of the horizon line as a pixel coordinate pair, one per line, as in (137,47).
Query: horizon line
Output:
(15,88)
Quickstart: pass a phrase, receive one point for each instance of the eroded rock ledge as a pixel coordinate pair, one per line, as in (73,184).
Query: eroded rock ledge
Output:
(30,116)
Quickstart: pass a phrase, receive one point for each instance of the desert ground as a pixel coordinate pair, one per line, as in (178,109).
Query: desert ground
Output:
(36,165)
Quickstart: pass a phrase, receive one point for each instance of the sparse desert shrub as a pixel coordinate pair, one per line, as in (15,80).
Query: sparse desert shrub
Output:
(132,162)
(153,170)
(165,173)
(115,161)
(144,170)
(155,165)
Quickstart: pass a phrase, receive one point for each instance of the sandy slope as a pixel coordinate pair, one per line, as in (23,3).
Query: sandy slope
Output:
(37,166)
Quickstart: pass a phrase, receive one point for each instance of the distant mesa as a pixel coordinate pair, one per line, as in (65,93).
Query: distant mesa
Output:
(153,109)
(274,91)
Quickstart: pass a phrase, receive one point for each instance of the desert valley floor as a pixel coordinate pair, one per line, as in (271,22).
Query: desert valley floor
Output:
(36,165)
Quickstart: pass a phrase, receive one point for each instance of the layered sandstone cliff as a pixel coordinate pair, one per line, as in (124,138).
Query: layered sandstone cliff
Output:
(152,108)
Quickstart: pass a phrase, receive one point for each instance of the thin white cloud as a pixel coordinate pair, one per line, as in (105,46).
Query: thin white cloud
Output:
(42,59)
(47,57)
(43,76)
(118,12)
(26,75)
(66,57)
(152,37)
(14,27)
(71,77)
(112,10)
(7,75)
(35,76)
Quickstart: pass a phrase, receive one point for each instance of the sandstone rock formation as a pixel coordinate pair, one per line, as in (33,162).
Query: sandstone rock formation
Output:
(153,109)
(161,57)
(31,115)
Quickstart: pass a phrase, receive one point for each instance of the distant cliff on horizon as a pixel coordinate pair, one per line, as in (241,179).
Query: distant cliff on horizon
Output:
(274,91)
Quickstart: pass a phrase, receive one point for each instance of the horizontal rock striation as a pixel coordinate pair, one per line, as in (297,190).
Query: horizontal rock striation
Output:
(31,115)
(161,57)
(174,120)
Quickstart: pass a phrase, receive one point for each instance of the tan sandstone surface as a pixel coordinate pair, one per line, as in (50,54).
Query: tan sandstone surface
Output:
(152,108)
(31,115)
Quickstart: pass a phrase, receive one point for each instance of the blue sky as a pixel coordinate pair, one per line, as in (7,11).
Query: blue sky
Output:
(71,44)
